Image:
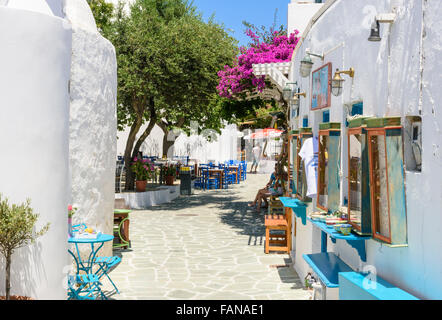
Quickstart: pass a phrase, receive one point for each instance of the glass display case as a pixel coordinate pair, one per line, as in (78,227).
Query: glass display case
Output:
(358,210)
(387,180)
(329,157)
(293,165)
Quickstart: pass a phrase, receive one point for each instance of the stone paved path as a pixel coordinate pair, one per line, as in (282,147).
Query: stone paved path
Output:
(209,246)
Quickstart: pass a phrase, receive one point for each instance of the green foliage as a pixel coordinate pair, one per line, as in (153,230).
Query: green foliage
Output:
(17,224)
(17,229)
(143,169)
(167,53)
(103,13)
(169,170)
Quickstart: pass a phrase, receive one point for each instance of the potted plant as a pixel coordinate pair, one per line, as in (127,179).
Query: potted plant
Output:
(17,229)
(143,169)
(169,173)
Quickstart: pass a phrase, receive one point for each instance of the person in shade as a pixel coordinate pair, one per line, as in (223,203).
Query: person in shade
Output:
(273,188)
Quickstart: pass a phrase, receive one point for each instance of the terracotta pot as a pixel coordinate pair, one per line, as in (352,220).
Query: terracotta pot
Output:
(141,185)
(169,180)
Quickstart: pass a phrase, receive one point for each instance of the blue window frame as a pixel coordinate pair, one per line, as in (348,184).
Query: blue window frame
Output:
(326,116)
(305,122)
(357,109)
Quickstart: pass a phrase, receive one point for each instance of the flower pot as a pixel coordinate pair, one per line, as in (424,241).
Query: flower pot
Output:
(169,180)
(141,185)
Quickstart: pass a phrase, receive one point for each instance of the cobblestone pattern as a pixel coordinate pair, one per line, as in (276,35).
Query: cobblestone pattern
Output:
(208,246)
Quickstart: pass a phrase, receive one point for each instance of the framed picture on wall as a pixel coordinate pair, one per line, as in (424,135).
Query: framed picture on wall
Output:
(321,79)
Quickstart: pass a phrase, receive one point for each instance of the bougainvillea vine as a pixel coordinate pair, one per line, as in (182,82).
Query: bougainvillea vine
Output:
(240,78)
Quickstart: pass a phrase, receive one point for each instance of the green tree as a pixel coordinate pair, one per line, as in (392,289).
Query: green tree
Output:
(103,13)
(17,229)
(168,60)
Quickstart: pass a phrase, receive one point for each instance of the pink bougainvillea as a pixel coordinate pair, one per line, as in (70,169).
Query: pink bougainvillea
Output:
(240,77)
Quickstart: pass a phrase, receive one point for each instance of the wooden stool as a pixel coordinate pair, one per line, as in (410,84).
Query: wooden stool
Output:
(277,223)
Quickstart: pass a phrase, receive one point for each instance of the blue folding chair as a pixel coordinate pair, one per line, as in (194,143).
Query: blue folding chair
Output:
(84,287)
(104,265)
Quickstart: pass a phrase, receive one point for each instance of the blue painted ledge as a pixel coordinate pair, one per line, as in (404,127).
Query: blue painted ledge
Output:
(357,286)
(298,207)
(327,266)
(356,241)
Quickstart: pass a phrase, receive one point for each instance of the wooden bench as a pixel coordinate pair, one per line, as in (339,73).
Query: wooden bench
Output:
(359,286)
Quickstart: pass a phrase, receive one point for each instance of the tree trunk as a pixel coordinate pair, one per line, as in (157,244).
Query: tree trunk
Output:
(8,276)
(146,133)
(166,143)
(129,186)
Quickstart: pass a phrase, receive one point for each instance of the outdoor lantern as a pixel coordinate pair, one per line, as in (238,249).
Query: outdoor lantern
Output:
(307,63)
(296,99)
(374,32)
(295,103)
(288,91)
(306,66)
(337,81)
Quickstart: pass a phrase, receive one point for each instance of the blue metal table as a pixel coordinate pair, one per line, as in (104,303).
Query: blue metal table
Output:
(88,283)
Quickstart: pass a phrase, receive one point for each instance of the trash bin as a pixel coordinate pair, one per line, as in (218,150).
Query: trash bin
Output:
(186,181)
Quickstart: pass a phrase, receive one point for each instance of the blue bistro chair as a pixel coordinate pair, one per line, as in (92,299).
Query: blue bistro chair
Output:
(229,177)
(104,265)
(84,287)
(210,182)
(243,166)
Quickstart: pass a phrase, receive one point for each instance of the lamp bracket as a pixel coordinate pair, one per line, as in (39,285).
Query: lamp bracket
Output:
(386,17)
(301,94)
(350,72)
(315,54)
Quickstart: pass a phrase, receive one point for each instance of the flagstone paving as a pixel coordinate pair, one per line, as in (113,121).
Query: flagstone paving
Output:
(208,246)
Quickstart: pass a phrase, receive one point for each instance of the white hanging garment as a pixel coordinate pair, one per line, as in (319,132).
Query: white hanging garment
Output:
(309,154)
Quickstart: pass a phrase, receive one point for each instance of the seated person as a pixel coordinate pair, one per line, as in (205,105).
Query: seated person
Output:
(273,187)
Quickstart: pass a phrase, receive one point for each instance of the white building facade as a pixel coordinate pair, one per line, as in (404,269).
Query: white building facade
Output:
(398,76)
(57,131)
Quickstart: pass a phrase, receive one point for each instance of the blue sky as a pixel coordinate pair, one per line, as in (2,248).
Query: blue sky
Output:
(233,12)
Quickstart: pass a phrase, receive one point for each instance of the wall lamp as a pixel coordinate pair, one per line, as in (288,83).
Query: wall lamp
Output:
(307,63)
(337,81)
(289,91)
(296,100)
(375,27)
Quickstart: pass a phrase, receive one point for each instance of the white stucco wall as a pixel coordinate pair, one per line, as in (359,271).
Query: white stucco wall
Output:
(299,14)
(196,147)
(35,59)
(93,122)
(387,81)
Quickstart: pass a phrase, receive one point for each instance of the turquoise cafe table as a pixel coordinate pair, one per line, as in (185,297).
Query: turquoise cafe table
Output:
(86,265)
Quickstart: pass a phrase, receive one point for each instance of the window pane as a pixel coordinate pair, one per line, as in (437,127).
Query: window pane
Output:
(323,172)
(293,160)
(380,186)
(355,177)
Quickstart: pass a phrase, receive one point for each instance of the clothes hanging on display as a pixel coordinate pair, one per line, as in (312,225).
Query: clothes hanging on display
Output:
(309,154)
